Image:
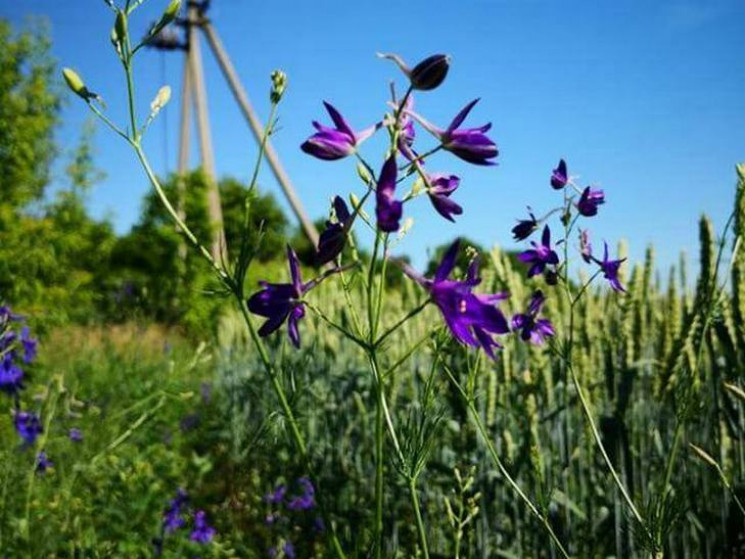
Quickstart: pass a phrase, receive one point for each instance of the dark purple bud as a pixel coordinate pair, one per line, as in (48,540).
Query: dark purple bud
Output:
(533,329)
(334,237)
(442,187)
(387,209)
(589,202)
(430,72)
(28,426)
(43,463)
(524,228)
(559,177)
(76,435)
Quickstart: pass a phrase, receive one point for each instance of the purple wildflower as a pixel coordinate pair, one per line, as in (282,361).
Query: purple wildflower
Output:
(585,248)
(307,500)
(76,435)
(442,187)
(282,301)
(559,176)
(43,463)
(472,318)
(29,345)
(470,144)
(531,328)
(277,496)
(387,209)
(525,227)
(335,143)
(610,269)
(202,533)
(28,426)
(172,517)
(334,237)
(589,202)
(11,375)
(426,75)
(541,255)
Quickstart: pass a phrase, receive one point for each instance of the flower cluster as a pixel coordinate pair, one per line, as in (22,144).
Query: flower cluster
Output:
(175,517)
(283,512)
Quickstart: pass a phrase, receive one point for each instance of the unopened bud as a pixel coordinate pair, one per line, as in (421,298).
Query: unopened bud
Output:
(120,27)
(430,72)
(75,83)
(161,100)
(168,16)
(364,174)
(279,84)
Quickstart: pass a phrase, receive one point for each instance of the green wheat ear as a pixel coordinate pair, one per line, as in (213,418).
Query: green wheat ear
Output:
(738,267)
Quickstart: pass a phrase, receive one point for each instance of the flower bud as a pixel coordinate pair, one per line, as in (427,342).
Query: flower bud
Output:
(279,84)
(120,28)
(364,174)
(160,101)
(168,16)
(741,171)
(430,72)
(75,83)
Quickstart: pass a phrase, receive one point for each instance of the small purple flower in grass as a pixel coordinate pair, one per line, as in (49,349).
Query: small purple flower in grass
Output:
(472,318)
(559,176)
(525,227)
(610,269)
(28,426)
(589,202)
(533,329)
(43,463)
(289,550)
(29,345)
(334,237)
(335,143)
(541,255)
(202,533)
(11,375)
(470,144)
(307,500)
(277,496)
(387,209)
(76,435)
(172,518)
(442,187)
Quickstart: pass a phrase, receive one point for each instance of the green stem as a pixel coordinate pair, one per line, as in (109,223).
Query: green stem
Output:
(418,516)
(401,322)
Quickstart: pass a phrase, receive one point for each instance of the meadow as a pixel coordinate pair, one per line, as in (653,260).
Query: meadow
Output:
(556,402)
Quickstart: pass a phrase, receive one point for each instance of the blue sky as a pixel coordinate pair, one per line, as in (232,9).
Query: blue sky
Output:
(645,99)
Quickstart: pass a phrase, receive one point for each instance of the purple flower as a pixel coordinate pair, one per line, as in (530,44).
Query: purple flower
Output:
(334,237)
(172,517)
(442,187)
(589,201)
(289,550)
(277,496)
(281,301)
(29,345)
(11,375)
(470,144)
(307,500)
(202,533)
(610,269)
(28,426)
(559,176)
(387,209)
(76,435)
(43,463)
(472,318)
(525,227)
(426,75)
(541,255)
(335,143)
(533,329)
(585,248)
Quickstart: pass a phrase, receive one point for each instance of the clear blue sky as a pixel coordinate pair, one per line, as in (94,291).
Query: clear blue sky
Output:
(647,99)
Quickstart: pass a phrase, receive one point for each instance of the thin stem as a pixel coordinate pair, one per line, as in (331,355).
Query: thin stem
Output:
(411,314)
(498,462)
(418,516)
(345,332)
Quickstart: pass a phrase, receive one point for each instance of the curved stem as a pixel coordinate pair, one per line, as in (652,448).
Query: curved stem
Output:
(418,515)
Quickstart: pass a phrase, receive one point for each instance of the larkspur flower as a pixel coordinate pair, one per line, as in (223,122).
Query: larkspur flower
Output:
(43,463)
(585,247)
(469,144)
(173,516)
(76,435)
(533,329)
(29,345)
(442,187)
(282,301)
(307,500)
(277,496)
(610,269)
(330,144)
(589,201)
(28,426)
(541,255)
(11,375)
(525,227)
(334,237)
(472,318)
(427,74)
(559,176)
(289,550)
(202,533)
(388,210)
